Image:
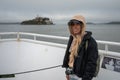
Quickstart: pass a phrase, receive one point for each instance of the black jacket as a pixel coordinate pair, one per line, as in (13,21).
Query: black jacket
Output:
(85,62)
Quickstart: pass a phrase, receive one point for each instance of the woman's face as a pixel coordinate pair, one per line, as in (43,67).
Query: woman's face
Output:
(76,28)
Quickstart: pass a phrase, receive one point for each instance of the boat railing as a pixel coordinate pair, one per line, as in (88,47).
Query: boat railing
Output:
(18,37)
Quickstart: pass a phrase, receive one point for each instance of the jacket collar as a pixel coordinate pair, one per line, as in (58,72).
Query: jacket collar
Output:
(87,35)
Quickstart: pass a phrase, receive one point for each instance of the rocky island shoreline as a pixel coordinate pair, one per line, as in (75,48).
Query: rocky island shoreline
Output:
(38,21)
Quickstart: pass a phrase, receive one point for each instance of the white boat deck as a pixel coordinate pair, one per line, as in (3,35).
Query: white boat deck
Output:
(26,55)
(20,56)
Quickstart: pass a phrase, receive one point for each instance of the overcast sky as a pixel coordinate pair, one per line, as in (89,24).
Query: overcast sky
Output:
(60,10)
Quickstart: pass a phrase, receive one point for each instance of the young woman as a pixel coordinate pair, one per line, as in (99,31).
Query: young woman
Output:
(81,53)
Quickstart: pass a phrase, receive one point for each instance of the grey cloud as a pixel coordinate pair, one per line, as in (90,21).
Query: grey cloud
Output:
(60,9)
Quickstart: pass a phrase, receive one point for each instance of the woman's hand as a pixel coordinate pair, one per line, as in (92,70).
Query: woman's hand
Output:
(67,77)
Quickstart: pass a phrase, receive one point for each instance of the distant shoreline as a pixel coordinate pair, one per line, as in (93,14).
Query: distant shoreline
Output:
(117,22)
(113,22)
(9,23)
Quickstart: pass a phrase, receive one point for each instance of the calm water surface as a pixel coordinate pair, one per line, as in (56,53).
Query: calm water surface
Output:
(106,32)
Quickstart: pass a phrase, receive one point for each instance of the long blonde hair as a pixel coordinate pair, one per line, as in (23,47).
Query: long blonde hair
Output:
(77,39)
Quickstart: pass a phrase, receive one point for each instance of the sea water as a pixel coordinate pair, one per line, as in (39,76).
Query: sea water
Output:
(104,32)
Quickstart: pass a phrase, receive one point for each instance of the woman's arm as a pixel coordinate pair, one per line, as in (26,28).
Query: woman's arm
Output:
(92,52)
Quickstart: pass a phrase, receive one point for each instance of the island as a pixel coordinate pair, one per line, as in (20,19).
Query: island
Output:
(38,21)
